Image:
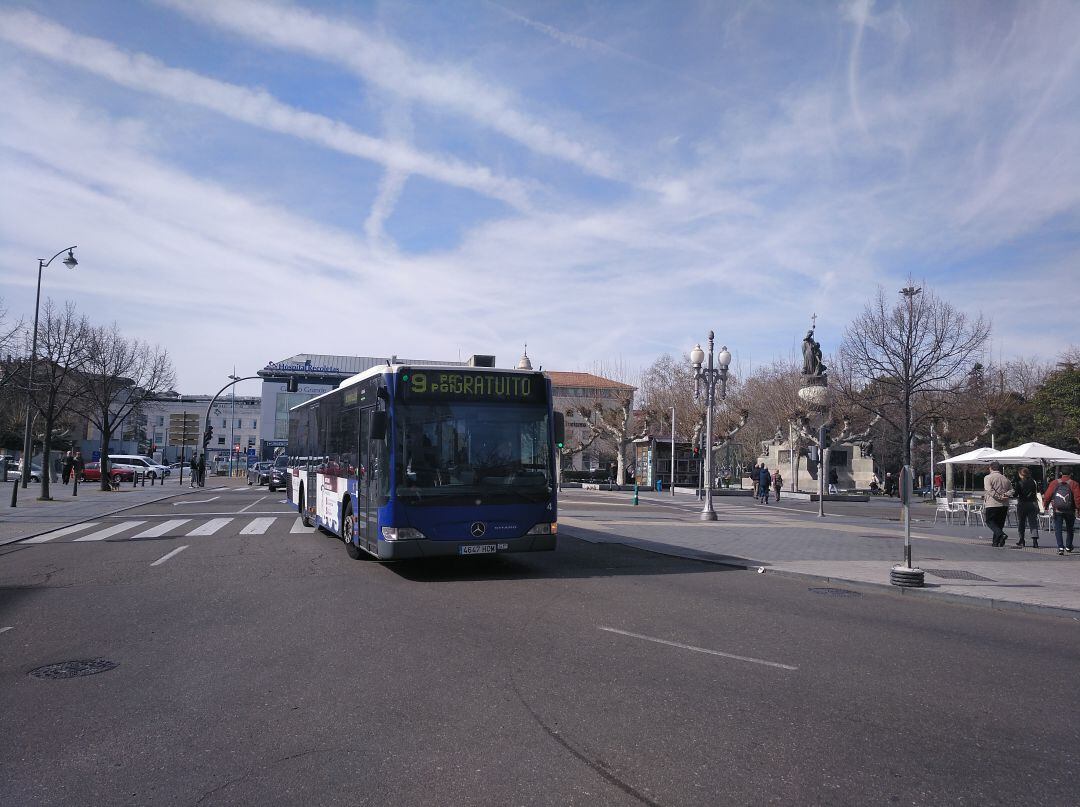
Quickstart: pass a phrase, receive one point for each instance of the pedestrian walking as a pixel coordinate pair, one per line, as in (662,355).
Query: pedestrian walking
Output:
(939,485)
(1062,495)
(764,480)
(834,480)
(77,465)
(1027,507)
(194,466)
(777,483)
(202,470)
(66,465)
(889,482)
(998,490)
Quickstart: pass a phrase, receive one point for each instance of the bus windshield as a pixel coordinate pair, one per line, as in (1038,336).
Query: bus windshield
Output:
(470,453)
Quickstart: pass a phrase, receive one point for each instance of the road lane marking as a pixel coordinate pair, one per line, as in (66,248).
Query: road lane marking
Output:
(196,501)
(210,527)
(108,532)
(40,539)
(258,526)
(699,649)
(160,529)
(165,557)
(298,526)
(243,509)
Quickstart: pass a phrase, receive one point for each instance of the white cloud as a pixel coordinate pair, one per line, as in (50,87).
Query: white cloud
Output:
(254,107)
(389,66)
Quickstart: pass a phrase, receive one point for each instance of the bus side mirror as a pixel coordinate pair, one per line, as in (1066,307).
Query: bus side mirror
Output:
(560,430)
(377,427)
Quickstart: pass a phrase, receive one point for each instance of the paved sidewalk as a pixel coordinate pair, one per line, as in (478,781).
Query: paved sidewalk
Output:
(32,517)
(959,562)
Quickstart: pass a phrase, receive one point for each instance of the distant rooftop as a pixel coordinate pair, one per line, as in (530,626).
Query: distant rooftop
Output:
(586,380)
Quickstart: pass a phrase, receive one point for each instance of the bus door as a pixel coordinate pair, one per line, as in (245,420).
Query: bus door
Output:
(367,518)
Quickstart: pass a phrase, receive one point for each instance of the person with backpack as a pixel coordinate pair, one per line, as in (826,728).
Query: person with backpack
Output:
(1063,495)
(777,483)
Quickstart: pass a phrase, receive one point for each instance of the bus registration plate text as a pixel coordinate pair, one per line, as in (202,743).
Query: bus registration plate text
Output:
(482,549)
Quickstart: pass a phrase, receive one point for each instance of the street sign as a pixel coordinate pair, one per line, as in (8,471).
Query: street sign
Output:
(184,428)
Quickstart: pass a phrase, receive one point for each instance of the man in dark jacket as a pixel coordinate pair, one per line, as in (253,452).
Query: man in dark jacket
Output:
(764,479)
(1063,496)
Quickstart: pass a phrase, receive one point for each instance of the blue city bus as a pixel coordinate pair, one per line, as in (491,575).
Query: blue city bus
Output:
(423,461)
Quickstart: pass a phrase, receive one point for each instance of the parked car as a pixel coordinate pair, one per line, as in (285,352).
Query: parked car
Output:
(279,474)
(259,473)
(143,465)
(92,473)
(15,474)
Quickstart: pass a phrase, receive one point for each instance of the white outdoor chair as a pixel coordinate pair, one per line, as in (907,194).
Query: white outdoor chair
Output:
(1047,518)
(948,508)
(975,511)
(1011,518)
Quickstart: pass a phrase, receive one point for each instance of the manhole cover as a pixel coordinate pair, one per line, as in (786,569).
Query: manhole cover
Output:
(836,592)
(958,574)
(74,669)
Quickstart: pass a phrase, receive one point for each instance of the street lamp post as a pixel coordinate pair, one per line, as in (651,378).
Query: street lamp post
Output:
(709,376)
(70,263)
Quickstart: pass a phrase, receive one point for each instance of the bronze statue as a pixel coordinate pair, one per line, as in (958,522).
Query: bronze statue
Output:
(811,351)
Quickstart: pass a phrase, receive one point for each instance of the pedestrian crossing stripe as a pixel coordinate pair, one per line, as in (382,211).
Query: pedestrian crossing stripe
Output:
(258,526)
(210,527)
(108,532)
(170,528)
(162,529)
(40,539)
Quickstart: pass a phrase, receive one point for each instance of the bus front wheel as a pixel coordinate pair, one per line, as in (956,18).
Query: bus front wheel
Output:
(348,527)
(303,510)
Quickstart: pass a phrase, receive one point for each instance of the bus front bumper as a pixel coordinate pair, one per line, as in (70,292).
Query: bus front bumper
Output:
(427,548)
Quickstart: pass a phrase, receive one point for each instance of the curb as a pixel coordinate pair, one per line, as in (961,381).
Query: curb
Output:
(744,564)
(7,541)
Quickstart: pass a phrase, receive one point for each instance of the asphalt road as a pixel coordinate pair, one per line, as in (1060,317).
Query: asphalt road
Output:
(265,667)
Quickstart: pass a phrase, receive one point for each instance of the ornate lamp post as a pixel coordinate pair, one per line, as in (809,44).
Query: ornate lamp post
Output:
(70,263)
(709,376)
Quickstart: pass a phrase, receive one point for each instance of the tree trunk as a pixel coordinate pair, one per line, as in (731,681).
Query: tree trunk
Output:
(620,472)
(106,436)
(46,464)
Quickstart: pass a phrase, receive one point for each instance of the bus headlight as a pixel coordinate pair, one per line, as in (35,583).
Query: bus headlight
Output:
(401,534)
(544,529)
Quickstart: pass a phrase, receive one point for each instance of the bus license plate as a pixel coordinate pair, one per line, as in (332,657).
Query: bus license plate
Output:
(482,549)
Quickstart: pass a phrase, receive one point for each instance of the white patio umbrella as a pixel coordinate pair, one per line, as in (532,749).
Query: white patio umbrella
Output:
(980,456)
(1036,454)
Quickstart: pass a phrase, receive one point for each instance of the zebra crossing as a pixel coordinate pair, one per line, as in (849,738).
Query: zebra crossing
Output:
(173,528)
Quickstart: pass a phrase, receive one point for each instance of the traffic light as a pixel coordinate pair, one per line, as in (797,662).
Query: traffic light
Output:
(207,436)
(824,437)
(697,452)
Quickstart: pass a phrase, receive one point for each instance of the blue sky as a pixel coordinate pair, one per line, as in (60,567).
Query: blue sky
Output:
(604,180)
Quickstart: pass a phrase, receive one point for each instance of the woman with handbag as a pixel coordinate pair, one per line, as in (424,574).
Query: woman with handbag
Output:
(1028,498)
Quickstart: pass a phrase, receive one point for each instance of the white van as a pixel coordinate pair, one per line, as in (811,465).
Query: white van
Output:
(142,465)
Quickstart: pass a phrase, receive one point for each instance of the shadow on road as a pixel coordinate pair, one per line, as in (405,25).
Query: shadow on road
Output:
(574,559)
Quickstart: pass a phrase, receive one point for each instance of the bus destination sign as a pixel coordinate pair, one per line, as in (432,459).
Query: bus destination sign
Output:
(465,385)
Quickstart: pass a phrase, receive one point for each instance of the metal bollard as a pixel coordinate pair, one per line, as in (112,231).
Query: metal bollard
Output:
(15,493)
(74,484)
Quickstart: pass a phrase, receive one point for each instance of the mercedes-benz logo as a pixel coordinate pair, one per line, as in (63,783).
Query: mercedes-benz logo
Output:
(478,528)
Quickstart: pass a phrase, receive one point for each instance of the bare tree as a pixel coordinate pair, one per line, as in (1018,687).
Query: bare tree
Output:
(119,375)
(610,419)
(10,339)
(61,353)
(919,346)
(668,384)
